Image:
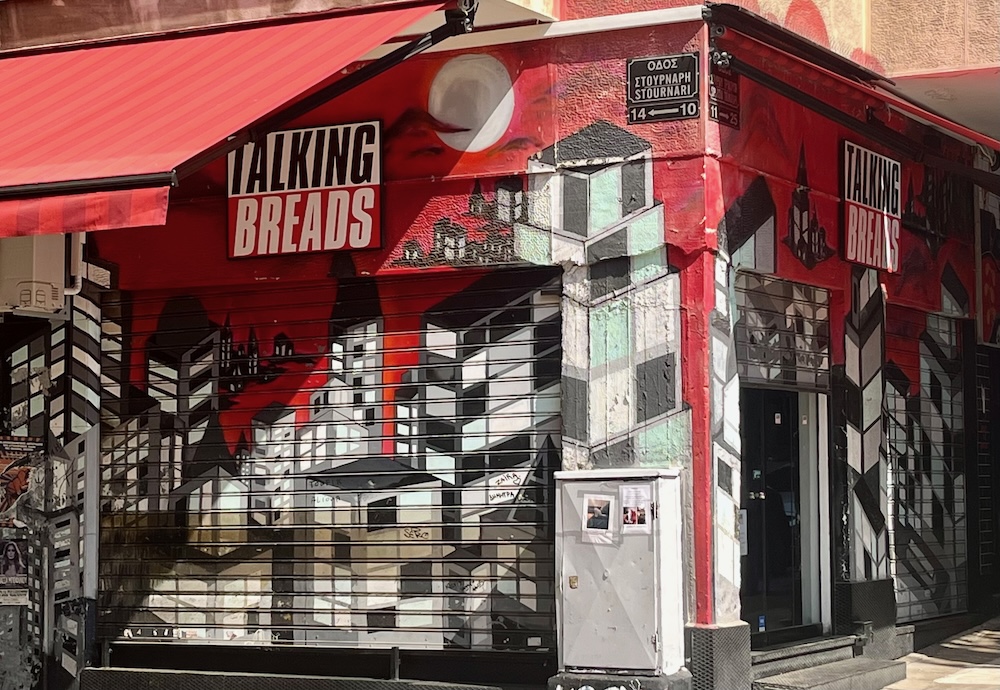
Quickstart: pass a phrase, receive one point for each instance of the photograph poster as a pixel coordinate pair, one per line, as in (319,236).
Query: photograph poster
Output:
(597,522)
(636,500)
(13,573)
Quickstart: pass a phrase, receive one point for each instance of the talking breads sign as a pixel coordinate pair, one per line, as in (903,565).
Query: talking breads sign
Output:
(307,190)
(872,208)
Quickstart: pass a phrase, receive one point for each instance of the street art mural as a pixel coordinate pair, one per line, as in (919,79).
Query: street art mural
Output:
(989,267)
(53,397)
(885,372)
(334,450)
(418,434)
(395,488)
(326,450)
(926,439)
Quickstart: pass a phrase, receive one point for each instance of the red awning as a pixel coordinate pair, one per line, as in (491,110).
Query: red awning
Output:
(132,208)
(135,112)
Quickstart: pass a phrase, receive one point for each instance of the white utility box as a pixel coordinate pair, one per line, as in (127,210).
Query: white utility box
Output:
(620,571)
(32,274)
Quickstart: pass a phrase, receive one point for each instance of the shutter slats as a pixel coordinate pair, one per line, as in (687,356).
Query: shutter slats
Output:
(926,437)
(363,466)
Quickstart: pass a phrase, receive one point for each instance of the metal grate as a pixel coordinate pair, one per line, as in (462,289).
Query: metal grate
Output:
(925,417)
(362,465)
(127,679)
(720,657)
(984,462)
(782,332)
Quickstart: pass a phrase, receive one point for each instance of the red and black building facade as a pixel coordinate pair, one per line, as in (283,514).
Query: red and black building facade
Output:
(350,307)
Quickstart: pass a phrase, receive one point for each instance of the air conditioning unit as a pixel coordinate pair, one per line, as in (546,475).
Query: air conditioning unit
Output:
(33,274)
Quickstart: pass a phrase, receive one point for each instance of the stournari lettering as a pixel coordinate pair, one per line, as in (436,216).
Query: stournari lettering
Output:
(663,85)
(660,93)
(663,79)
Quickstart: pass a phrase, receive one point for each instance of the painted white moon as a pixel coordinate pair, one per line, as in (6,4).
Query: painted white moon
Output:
(472,92)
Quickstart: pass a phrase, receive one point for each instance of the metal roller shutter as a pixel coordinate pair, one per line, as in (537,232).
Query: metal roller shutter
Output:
(370,469)
(925,427)
(782,333)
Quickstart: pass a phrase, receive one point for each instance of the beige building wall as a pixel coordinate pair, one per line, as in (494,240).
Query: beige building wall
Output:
(839,24)
(895,37)
(912,36)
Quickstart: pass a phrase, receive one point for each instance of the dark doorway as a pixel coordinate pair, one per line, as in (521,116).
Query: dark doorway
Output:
(771,592)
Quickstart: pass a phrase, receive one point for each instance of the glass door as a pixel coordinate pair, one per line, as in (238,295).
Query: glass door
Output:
(771,592)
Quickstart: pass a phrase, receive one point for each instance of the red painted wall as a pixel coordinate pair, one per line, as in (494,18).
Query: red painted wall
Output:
(779,139)
(558,88)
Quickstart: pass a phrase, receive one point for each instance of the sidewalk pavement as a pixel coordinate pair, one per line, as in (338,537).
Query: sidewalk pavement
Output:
(968,661)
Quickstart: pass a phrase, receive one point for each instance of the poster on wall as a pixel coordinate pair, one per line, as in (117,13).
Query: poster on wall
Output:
(307,190)
(13,573)
(637,513)
(18,457)
(598,525)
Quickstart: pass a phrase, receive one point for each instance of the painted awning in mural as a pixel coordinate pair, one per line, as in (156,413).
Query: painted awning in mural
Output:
(94,138)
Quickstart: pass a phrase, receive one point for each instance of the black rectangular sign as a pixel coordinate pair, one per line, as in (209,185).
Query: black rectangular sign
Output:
(663,87)
(724,96)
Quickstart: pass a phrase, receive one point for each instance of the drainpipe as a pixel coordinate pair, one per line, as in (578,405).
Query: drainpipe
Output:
(76,241)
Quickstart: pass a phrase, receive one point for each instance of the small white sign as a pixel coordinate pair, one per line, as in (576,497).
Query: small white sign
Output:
(598,521)
(13,597)
(637,514)
(744,545)
(505,487)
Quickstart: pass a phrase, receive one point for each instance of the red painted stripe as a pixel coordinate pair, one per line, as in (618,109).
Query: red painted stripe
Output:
(698,298)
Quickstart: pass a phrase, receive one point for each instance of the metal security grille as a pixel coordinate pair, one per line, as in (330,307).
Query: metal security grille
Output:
(984,461)
(782,332)
(363,464)
(925,418)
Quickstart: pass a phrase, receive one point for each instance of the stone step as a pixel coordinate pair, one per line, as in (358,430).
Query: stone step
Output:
(851,674)
(798,655)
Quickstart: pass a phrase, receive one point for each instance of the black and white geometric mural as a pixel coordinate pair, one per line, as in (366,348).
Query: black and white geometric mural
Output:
(782,332)
(591,208)
(926,441)
(866,545)
(379,505)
